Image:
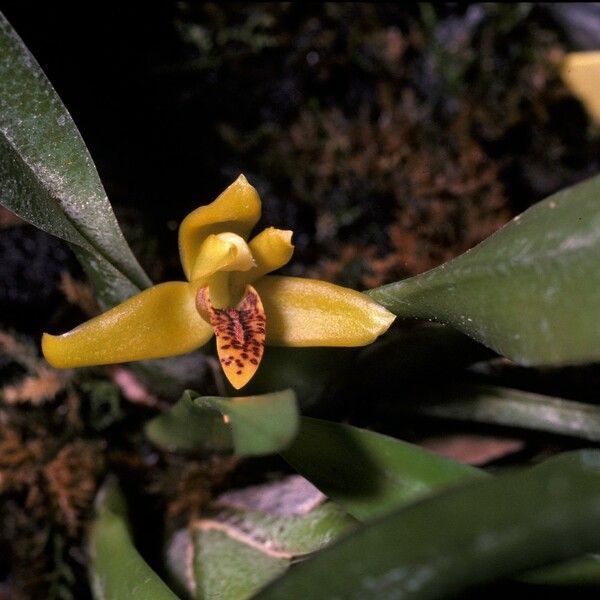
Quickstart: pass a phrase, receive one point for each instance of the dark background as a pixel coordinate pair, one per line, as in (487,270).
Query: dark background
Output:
(390,137)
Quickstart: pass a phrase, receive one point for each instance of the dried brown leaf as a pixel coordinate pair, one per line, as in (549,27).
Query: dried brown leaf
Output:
(72,481)
(79,293)
(34,389)
(473,449)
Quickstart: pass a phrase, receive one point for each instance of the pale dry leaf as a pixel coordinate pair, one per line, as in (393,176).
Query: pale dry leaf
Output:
(8,218)
(34,389)
(288,497)
(78,293)
(133,389)
(473,449)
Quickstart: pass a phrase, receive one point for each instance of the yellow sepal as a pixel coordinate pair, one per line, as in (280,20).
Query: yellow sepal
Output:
(160,321)
(308,312)
(236,210)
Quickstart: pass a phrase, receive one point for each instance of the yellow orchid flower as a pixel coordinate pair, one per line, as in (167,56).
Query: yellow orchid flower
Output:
(228,294)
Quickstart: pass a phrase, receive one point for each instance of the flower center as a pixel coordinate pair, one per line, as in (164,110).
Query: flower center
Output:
(222,252)
(219,257)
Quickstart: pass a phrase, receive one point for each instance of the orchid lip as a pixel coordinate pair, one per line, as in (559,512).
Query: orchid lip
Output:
(240,334)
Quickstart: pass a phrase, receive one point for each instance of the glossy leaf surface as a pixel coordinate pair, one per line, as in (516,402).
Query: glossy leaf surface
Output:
(117,570)
(514,408)
(308,371)
(411,356)
(368,473)
(227,568)
(531,291)
(234,550)
(476,533)
(48,178)
(577,572)
(246,426)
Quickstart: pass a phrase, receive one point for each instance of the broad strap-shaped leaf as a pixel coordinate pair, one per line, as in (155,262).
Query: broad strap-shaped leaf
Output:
(117,570)
(578,572)
(47,176)
(218,566)
(514,408)
(469,535)
(384,369)
(531,291)
(244,541)
(367,473)
(310,372)
(246,426)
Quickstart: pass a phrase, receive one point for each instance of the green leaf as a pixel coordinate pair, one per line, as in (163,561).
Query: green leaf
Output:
(117,571)
(233,562)
(308,371)
(410,356)
(577,572)
(47,176)
(226,568)
(247,426)
(235,550)
(469,535)
(514,408)
(531,291)
(289,535)
(368,473)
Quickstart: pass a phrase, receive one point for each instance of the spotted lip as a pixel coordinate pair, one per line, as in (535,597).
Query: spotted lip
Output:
(240,333)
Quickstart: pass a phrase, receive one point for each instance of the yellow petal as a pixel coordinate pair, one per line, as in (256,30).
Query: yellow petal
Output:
(222,252)
(271,249)
(581,73)
(237,210)
(161,321)
(215,253)
(308,312)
